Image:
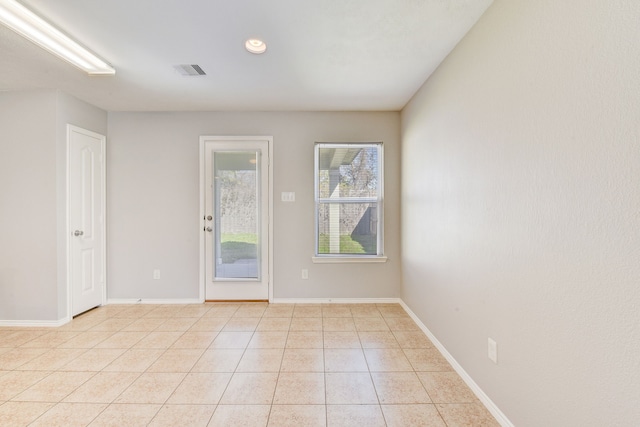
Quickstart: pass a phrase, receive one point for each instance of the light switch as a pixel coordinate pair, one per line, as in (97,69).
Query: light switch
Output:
(288,196)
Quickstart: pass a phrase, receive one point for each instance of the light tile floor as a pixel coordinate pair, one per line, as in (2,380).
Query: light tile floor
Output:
(224,364)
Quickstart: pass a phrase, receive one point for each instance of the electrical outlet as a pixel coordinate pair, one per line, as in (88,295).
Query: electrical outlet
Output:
(156,274)
(305,273)
(492,350)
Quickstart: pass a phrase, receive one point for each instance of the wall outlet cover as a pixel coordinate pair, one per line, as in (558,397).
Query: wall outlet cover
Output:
(492,350)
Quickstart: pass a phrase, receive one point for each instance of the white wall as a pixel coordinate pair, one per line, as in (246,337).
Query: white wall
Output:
(33,200)
(153,201)
(521,209)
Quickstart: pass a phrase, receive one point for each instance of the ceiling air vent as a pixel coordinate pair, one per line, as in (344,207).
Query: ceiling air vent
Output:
(190,70)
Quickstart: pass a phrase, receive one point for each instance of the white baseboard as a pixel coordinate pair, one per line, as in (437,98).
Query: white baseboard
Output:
(486,401)
(34,323)
(153,301)
(335,301)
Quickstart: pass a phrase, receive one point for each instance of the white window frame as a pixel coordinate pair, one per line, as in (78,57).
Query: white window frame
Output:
(379,201)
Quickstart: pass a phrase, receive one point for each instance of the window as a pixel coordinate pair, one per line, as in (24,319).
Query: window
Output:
(348,196)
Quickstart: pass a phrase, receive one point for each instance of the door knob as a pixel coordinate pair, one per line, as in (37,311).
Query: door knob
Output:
(209,229)
(209,217)
(78,233)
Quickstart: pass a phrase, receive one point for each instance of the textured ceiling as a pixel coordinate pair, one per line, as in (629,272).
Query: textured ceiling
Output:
(322,55)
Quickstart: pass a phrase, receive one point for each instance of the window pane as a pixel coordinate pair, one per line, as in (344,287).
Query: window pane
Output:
(348,171)
(236,219)
(348,228)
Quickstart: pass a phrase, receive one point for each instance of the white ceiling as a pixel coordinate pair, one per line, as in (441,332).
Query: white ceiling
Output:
(322,55)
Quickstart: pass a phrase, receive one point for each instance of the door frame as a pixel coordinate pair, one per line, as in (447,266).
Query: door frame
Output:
(203,189)
(103,228)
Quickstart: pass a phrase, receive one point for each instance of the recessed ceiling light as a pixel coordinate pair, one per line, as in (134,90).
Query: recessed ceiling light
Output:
(256,46)
(31,26)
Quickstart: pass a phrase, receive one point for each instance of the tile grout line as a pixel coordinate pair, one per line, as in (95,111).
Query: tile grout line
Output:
(139,374)
(324,372)
(150,365)
(275,389)
(239,360)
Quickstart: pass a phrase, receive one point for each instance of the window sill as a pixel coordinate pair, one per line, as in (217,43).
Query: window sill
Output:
(347,259)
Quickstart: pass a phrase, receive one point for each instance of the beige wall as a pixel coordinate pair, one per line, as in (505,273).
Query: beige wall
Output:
(520,209)
(153,201)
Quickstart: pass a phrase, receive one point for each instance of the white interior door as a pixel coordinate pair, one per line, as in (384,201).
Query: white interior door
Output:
(86,219)
(236,218)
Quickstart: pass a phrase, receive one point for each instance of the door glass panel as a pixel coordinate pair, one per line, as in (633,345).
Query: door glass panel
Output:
(236,199)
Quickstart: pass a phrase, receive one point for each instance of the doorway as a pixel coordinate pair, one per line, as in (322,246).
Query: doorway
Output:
(85,219)
(235,218)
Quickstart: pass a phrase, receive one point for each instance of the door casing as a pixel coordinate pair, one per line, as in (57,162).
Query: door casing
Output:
(203,189)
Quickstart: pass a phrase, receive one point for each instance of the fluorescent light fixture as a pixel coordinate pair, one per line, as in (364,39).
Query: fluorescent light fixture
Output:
(29,25)
(255,46)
